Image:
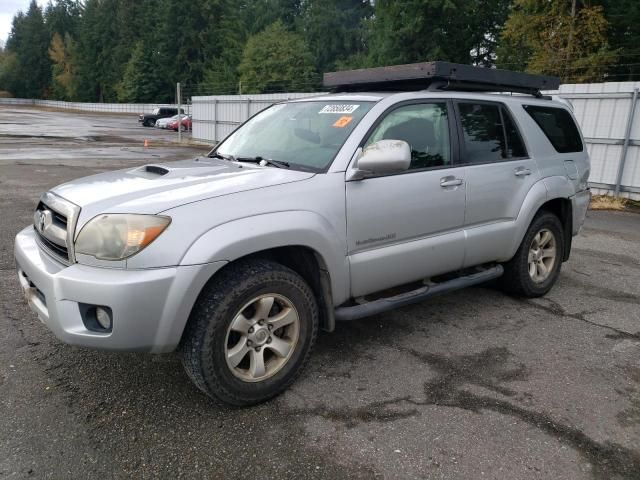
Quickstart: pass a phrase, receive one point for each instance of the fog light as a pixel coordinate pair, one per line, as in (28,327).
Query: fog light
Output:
(103,318)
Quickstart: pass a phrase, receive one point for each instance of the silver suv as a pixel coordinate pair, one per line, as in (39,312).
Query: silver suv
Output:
(308,214)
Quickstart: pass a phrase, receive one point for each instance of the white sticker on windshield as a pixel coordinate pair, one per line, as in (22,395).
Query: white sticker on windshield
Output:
(339,109)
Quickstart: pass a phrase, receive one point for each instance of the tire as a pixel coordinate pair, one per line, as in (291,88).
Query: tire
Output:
(151,122)
(520,277)
(240,294)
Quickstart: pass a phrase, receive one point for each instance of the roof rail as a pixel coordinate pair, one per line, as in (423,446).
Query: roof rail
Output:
(439,76)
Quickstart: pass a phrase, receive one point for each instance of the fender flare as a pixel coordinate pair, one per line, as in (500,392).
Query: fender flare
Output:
(245,236)
(543,191)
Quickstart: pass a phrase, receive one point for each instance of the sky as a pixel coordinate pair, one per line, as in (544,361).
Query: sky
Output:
(8,8)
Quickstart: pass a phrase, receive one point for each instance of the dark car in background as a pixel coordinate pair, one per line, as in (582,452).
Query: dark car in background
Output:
(150,119)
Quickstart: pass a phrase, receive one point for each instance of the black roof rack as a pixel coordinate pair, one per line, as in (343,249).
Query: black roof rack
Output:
(438,76)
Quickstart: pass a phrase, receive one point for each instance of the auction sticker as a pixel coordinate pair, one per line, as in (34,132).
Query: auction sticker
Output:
(339,109)
(342,122)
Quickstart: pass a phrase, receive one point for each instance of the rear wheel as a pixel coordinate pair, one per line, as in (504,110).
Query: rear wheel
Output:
(250,333)
(535,267)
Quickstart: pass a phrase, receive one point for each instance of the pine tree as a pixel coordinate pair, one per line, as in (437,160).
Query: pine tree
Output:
(29,41)
(463,31)
(334,30)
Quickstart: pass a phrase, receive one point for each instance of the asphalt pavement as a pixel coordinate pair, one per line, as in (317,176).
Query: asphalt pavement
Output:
(470,385)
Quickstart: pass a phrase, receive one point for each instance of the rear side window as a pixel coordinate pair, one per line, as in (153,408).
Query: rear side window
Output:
(558,126)
(489,133)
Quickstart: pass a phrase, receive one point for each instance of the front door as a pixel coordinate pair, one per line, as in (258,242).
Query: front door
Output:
(409,226)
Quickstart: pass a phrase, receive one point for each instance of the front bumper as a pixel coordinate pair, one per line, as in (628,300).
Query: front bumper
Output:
(150,307)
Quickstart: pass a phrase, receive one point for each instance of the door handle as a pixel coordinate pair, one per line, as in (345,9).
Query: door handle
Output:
(450,182)
(522,172)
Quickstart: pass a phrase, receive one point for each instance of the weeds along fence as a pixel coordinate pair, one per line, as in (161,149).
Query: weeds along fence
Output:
(135,108)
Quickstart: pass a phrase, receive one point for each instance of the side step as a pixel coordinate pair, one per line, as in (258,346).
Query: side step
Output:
(344,314)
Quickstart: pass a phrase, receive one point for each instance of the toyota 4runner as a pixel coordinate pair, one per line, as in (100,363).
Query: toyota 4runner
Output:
(308,214)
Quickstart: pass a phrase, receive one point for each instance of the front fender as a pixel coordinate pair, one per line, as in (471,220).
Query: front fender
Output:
(238,238)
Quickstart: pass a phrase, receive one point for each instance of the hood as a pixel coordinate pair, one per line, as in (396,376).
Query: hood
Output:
(158,187)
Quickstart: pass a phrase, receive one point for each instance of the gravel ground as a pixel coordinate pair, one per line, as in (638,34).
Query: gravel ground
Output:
(474,384)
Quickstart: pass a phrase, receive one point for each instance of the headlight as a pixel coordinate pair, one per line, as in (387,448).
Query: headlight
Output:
(116,236)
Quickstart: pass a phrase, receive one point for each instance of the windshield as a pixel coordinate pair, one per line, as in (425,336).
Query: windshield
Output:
(156,111)
(306,135)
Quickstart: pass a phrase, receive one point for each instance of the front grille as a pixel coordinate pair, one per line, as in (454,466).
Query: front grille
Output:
(57,250)
(53,220)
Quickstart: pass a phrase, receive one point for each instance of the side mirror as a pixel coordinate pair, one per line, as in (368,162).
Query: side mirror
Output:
(384,156)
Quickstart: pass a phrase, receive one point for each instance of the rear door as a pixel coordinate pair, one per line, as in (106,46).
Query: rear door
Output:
(499,174)
(408,226)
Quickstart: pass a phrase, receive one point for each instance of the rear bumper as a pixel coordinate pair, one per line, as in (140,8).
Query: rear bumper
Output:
(580,204)
(150,307)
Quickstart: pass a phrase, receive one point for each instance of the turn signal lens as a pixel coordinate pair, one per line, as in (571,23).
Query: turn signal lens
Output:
(116,236)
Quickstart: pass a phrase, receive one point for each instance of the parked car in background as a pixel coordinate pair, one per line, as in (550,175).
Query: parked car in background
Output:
(164,122)
(150,119)
(186,123)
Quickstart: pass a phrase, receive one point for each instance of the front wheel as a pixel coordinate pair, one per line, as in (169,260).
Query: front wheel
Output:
(535,267)
(250,333)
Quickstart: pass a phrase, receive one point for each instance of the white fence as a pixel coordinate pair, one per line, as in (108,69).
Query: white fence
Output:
(609,120)
(91,107)
(605,112)
(216,116)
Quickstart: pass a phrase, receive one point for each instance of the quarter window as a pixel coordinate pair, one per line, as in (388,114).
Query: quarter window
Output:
(558,126)
(425,127)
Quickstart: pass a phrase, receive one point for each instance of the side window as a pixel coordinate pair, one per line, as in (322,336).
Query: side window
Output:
(425,127)
(558,126)
(483,133)
(515,145)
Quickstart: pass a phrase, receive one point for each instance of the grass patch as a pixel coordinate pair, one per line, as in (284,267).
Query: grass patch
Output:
(609,202)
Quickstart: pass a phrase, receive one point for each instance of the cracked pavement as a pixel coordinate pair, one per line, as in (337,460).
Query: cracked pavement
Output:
(473,384)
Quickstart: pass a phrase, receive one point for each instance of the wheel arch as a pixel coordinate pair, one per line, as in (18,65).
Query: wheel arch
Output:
(300,240)
(552,196)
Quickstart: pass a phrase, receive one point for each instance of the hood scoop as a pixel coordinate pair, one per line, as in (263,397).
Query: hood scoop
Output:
(156,169)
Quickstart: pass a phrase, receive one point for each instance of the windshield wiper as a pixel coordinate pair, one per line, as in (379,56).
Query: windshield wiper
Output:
(264,161)
(223,156)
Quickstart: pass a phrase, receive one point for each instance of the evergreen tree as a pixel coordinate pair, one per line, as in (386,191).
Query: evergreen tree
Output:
(407,31)
(29,41)
(142,79)
(624,38)
(63,17)
(259,14)
(334,30)
(277,60)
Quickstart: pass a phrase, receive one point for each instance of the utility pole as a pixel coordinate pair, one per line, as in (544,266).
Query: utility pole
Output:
(570,40)
(179,114)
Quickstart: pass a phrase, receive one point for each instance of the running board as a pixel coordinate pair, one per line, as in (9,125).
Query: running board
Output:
(344,314)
